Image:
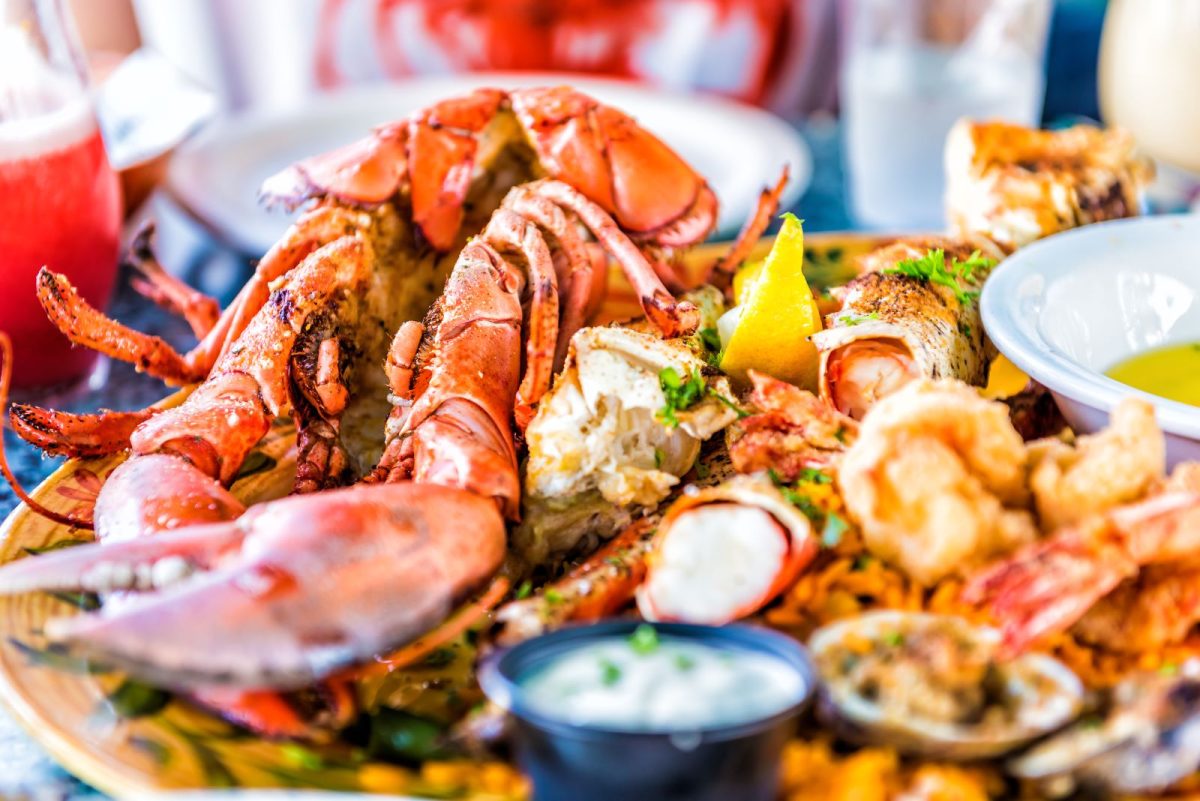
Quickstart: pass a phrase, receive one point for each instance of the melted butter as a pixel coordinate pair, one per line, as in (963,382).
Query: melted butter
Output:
(1171,372)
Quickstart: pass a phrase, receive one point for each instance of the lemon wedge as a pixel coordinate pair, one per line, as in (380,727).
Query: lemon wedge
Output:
(776,315)
(744,278)
(1004,380)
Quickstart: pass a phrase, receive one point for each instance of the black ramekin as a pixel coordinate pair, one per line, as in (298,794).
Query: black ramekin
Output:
(567,762)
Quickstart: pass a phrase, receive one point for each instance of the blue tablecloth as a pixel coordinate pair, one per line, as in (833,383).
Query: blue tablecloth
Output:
(24,767)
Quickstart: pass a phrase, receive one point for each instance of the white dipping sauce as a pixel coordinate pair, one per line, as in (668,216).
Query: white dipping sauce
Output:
(644,683)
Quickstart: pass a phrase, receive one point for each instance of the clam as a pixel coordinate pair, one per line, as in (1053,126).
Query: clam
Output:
(1148,740)
(930,685)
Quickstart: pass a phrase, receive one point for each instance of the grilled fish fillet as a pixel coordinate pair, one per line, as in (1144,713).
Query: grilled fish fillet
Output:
(894,328)
(1014,184)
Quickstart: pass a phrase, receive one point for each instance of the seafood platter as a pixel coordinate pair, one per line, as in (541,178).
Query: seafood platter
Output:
(494,475)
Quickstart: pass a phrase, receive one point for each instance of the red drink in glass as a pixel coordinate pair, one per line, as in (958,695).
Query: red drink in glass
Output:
(60,206)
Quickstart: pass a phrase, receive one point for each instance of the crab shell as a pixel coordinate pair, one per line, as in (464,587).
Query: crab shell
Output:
(861,720)
(692,581)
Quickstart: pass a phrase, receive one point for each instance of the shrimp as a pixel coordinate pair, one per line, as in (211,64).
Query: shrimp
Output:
(1101,471)
(936,480)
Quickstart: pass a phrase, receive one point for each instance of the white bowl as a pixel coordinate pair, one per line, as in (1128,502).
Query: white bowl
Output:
(1068,308)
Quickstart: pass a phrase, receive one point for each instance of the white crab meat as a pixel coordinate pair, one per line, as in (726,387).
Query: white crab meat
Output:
(600,430)
(724,552)
(718,560)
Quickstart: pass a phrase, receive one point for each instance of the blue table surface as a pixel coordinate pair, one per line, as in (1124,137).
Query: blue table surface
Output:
(25,769)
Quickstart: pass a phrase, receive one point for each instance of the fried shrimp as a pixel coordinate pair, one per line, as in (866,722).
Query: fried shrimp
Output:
(1101,471)
(936,480)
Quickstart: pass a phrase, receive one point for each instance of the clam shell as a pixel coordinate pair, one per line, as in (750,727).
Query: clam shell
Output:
(1149,741)
(860,720)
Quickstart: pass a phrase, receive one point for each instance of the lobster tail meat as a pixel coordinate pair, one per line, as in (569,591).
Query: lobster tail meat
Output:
(725,552)
(291,591)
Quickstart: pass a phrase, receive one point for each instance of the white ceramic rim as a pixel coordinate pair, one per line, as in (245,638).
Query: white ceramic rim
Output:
(1016,333)
(185,179)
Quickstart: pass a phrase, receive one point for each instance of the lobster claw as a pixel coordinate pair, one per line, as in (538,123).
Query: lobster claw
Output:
(367,171)
(146,563)
(286,595)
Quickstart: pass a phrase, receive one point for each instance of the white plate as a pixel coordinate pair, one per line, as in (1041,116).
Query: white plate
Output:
(738,148)
(1069,307)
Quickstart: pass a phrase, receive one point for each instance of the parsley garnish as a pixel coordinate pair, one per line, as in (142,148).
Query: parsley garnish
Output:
(851,319)
(681,395)
(610,673)
(658,458)
(524,590)
(553,596)
(710,341)
(702,470)
(894,639)
(644,639)
(832,524)
(738,410)
(797,499)
(684,662)
(840,434)
(932,267)
(812,475)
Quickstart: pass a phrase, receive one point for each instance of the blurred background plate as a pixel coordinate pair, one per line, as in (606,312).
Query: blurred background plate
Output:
(738,148)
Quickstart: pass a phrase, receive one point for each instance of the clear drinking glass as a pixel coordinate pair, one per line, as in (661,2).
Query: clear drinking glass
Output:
(60,201)
(910,69)
(1150,77)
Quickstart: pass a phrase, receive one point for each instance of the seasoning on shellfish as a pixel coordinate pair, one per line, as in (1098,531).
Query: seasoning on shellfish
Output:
(930,685)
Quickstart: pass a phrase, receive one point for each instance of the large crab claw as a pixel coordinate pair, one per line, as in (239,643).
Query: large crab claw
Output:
(283,596)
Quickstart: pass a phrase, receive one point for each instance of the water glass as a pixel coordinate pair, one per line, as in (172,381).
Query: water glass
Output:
(909,70)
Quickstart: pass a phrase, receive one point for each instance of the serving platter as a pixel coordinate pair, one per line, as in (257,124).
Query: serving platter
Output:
(129,740)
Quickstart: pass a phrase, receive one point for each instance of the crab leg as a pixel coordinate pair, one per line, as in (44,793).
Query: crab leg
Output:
(78,436)
(458,431)
(673,318)
(85,325)
(156,284)
(752,231)
(575,279)
(598,587)
(506,229)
